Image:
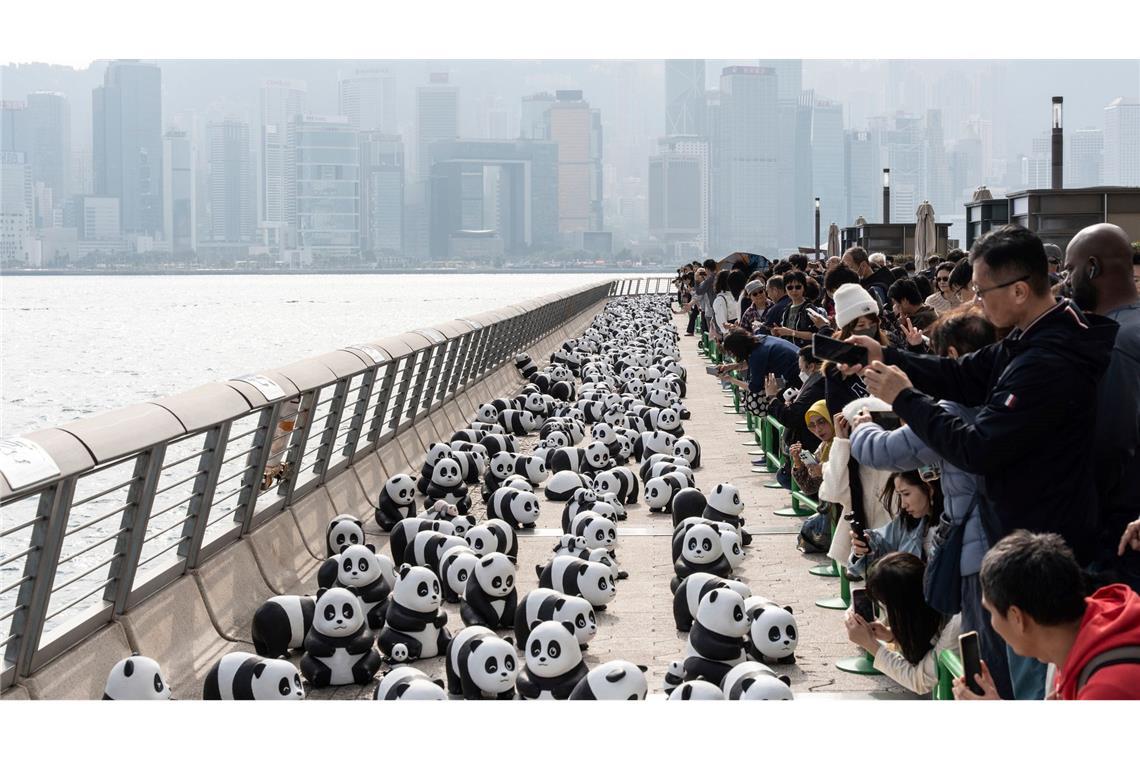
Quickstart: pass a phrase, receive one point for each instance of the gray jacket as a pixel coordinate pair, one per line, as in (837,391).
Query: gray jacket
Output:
(895,536)
(901,450)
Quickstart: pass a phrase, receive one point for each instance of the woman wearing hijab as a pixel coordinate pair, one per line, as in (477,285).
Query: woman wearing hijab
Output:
(809,476)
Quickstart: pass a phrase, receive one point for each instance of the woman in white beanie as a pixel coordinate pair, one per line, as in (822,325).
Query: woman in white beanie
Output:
(856,313)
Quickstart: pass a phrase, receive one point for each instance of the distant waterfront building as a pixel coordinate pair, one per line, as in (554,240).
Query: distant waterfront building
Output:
(328,188)
(16,210)
(533,123)
(437,118)
(232,202)
(749,174)
(282,102)
(597,179)
(180,215)
(1036,168)
(381,193)
(1122,143)
(679,192)
(1084,162)
(96,218)
(127,143)
(368,99)
(571,126)
(862,177)
(685,97)
(789,76)
(49,114)
(827,164)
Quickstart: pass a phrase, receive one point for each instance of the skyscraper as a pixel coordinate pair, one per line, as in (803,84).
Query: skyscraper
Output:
(180,215)
(328,191)
(232,202)
(937,168)
(828,162)
(1122,142)
(381,193)
(127,143)
(368,99)
(906,157)
(437,118)
(862,177)
(597,185)
(281,103)
(748,137)
(1084,161)
(789,76)
(16,209)
(570,125)
(50,155)
(685,97)
(1036,168)
(534,108)
(679,193)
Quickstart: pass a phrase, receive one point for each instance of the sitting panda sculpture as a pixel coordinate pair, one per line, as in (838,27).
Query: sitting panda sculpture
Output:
(136,678)
(447,483)
(554,663)
(455,566)
(724,505)
(716,640)
(397,501)
(481,665)
(493,535)
(415,627)
(359,569)
(772,631)
(698,549)
(339,646)
(406,682)
(693,589)
(543,605)
(241,676)
(342,531)
(491,597)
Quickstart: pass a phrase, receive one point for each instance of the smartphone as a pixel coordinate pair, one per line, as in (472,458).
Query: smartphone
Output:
(838,351)
(711,370)
(886,420)
(862,604)
(807,457)
(971,657)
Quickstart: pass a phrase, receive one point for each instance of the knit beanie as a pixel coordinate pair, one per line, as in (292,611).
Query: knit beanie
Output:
(852,302)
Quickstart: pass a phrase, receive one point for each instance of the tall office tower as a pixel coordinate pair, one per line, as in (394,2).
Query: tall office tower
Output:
(570,126)
(437,118)
(281,103)
(1084,160)
(789,76)
(862,178)
(533,123)
(1036,168)
(906,158)
(328,188)
(232,202)
(127,143)
(983,130)
(716,159)
(685,97)
(368,99)
(49,114)
(679,193)
(965,165)
(180,214)
(828,164)
(1122,143)
(16,209)
(381,193)
(15,128)
(748,137)
(937,167)
(597,192)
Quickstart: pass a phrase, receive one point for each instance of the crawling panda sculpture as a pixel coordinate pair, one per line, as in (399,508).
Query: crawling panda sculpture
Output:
(136,678)
(554,663)
(518,509)
(592,581)
(754,681)
(491,597)
(614,680)
(406,682)
(397,501)
(404,534)
(543,605)
(415,627)
(695,691)
(481,665)
(493,535)
(693,589)
(242,676)
(281,623)
(339,646)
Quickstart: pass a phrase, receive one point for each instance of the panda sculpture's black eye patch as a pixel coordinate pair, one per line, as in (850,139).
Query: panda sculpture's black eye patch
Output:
(422,589)
(737,613)
(346,610)
(774,633)
(535,648)
(509,662)
(554,650)
(362,564)
(347,565)
(707,545)
(330,612)
(157,683)
(283,686)
(791,632)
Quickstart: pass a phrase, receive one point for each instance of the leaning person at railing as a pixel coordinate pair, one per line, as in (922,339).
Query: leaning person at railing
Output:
(808,477)
(906,649)
(761,355)
(792,413)
(1035,593)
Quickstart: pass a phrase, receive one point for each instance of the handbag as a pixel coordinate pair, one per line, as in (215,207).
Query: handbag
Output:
(755,404)
(942,579)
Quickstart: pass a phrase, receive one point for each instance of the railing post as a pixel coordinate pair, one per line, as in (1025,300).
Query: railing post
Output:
(32,601)
(198,513)
(129,545)
(255,466)
(332,423)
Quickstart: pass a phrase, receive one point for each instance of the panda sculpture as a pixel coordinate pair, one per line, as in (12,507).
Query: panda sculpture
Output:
(772,631)
(731,545)
(619,481)
(754,681)
(592,581)
(696,691)
(525,365)
(415,627)
(653,442)
(493,535)
(674,676)
(435,452)
(281,624)
(481,665)
(562,485)
(359,570)
(496,443)
(724,505)
(405,682)
(532,468)
(716,641)
(689,502)
(404,532)
(447,483)
(136,678)
(688,448)
(396,502)
(339,646)
(542,605)
(491,597)
(455,567)
(570,458)
(693,589)
(471,465)
(427,548)
(242,676)
(519,483)
(583,500)
(518,422)
(342,531)
(597,531)
(698,549)
(501,467)
(570,545)
(613,680)
(518,509)
(445,511)
(660,492)
(554,663)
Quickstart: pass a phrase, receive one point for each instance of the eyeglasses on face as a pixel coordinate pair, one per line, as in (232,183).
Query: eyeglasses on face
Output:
(793,286)
(980,292)
(942,279)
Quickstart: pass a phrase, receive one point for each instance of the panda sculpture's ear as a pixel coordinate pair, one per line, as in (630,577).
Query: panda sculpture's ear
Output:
(712,595)
(404,570)
(558,605)
(487,561)
(643,668)
(509,639)
(719,487)
(401,689)
(615,675)
(439,682)
(321,592)
(789,609)
(568,626)
(784,677)
(342,548)
(258,669)
(370,547)
(475,644)
(129,667)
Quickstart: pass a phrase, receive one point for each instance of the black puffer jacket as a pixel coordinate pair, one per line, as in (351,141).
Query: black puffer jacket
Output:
(1032,440)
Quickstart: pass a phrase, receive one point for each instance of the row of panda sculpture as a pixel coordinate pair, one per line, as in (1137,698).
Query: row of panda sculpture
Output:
(608,398)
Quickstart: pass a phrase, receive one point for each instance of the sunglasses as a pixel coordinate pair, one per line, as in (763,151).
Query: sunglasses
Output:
(793,287)
(942,279)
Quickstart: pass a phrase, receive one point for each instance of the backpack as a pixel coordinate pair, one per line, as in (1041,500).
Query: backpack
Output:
(1128,654)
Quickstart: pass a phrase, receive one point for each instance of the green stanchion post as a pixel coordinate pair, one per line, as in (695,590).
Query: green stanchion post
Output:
(949,668)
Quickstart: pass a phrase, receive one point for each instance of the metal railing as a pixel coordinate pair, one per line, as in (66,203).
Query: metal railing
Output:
(637,286)
(145,494)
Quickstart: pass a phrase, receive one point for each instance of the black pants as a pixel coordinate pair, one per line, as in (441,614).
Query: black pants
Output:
(692,322)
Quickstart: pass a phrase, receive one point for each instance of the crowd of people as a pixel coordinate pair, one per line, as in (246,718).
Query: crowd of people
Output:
(975,461)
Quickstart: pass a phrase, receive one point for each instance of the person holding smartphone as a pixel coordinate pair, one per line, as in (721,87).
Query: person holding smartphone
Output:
(906,649)
(916,505)
(807,470)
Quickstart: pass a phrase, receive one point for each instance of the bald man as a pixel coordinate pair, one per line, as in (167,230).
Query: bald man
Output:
(1099,261)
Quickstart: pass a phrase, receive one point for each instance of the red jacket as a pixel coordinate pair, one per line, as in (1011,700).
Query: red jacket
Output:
(1111,620)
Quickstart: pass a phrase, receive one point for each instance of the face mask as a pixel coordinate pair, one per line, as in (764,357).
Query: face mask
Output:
(804,376)
(870,332)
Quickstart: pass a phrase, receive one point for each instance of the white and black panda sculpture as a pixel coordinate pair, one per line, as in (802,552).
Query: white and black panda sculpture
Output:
(447,483)
(415,627)
(592,581)
(754,681)
(491,597)
(688,502)
(405,682)
(455,567)
(653,442)
(493,535)
(339,646)
(359,570)
(500,467)
(500,442)
(772,631)
(562,485)
(241,676)
(716,641)
(696,691)
(472,464)
(448,512)
(554,663)
(428,547)
(404,533)
(435,452)
(693,589)
(481,665)
(281,623)
(542,605)
(613,680)
(724,505)
(698,548)
(659,494)
(396,502)
(532,468)
(674,676)
(598,532)
(518,422)
(619,481)
(342,531)
(136,678)
(525,365)
(518,509)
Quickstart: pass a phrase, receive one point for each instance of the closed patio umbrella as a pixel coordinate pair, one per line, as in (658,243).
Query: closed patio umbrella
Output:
(833,240)
(925,236)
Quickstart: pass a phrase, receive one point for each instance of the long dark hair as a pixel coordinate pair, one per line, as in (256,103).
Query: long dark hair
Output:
(933,490)
(740,344)
(895,582)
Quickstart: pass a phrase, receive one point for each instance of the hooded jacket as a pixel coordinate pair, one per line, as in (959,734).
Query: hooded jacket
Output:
(1032,439)
(1112,619)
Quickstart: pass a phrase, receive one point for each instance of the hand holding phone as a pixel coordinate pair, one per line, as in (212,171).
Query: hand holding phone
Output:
(807,457)
(862,604)
(838,351)
(970,653)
